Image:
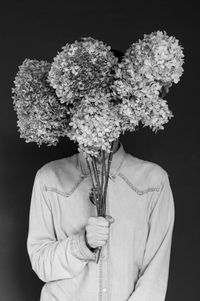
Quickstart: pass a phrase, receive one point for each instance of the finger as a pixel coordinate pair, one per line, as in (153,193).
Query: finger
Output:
(97,236)
(101,236)
(100,229)
(100,241)
(97,242)
(97,229)
(99,220)
(92,236)
(110,219)
(100,244)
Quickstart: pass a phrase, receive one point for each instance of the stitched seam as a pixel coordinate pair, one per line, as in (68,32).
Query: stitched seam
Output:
(108,249)
(81,250)
(65,194)
(77,184)
(108,271)
(138,191)
(100,277)
(77,249)
(74,247)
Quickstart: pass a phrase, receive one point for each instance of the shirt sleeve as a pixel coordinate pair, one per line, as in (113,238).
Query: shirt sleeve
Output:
(50,258)
(153,276)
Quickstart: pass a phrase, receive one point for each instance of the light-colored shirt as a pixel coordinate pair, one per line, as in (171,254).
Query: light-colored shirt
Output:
(134,263)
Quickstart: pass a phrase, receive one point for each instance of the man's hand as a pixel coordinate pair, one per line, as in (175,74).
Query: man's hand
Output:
(97,231)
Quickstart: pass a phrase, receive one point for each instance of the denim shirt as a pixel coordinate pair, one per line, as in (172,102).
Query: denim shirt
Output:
(134,263)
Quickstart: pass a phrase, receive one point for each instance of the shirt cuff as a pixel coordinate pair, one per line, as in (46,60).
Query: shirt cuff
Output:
(80,249)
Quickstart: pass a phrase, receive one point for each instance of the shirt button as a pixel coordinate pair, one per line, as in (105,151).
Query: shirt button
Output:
(104,290)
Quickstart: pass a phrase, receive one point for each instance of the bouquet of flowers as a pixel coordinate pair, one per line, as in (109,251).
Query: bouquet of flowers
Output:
(148,68)
(89,96)
(81,75)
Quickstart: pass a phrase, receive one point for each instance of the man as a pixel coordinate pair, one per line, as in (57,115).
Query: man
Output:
(64,232)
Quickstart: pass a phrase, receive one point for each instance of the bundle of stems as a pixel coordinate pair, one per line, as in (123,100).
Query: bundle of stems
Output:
(99,169)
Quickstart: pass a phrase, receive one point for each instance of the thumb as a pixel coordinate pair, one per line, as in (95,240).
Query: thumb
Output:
(110,219)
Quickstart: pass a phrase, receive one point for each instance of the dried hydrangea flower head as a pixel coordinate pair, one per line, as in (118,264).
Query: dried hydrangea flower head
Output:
(41,118)
(157,57)
(95,124)
(81,69)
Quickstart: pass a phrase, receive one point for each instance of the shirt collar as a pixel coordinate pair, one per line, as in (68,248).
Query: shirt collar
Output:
(117,161)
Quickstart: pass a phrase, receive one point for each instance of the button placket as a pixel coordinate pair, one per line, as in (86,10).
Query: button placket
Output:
(103,274)
(108,294)
(104,268)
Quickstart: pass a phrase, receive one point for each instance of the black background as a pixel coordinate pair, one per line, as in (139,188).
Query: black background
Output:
(38,30)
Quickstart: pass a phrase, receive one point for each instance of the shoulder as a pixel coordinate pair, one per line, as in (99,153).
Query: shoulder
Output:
(58,170)
(143,172)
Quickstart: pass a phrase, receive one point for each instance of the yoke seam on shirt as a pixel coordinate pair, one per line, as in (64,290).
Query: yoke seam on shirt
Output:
(134,188)
(65,194)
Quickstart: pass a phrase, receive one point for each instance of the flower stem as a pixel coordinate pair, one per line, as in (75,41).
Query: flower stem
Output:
(107,176)
(94,166)
(104,192)
(93,185)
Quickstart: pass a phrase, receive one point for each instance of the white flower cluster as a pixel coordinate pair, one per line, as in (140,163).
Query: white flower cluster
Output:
(158,57)
(41,117)
(148,67)
(87,95)
(95,124)
(81,69)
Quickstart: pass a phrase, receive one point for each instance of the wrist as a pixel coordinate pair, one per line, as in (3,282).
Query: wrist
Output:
(88,246)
